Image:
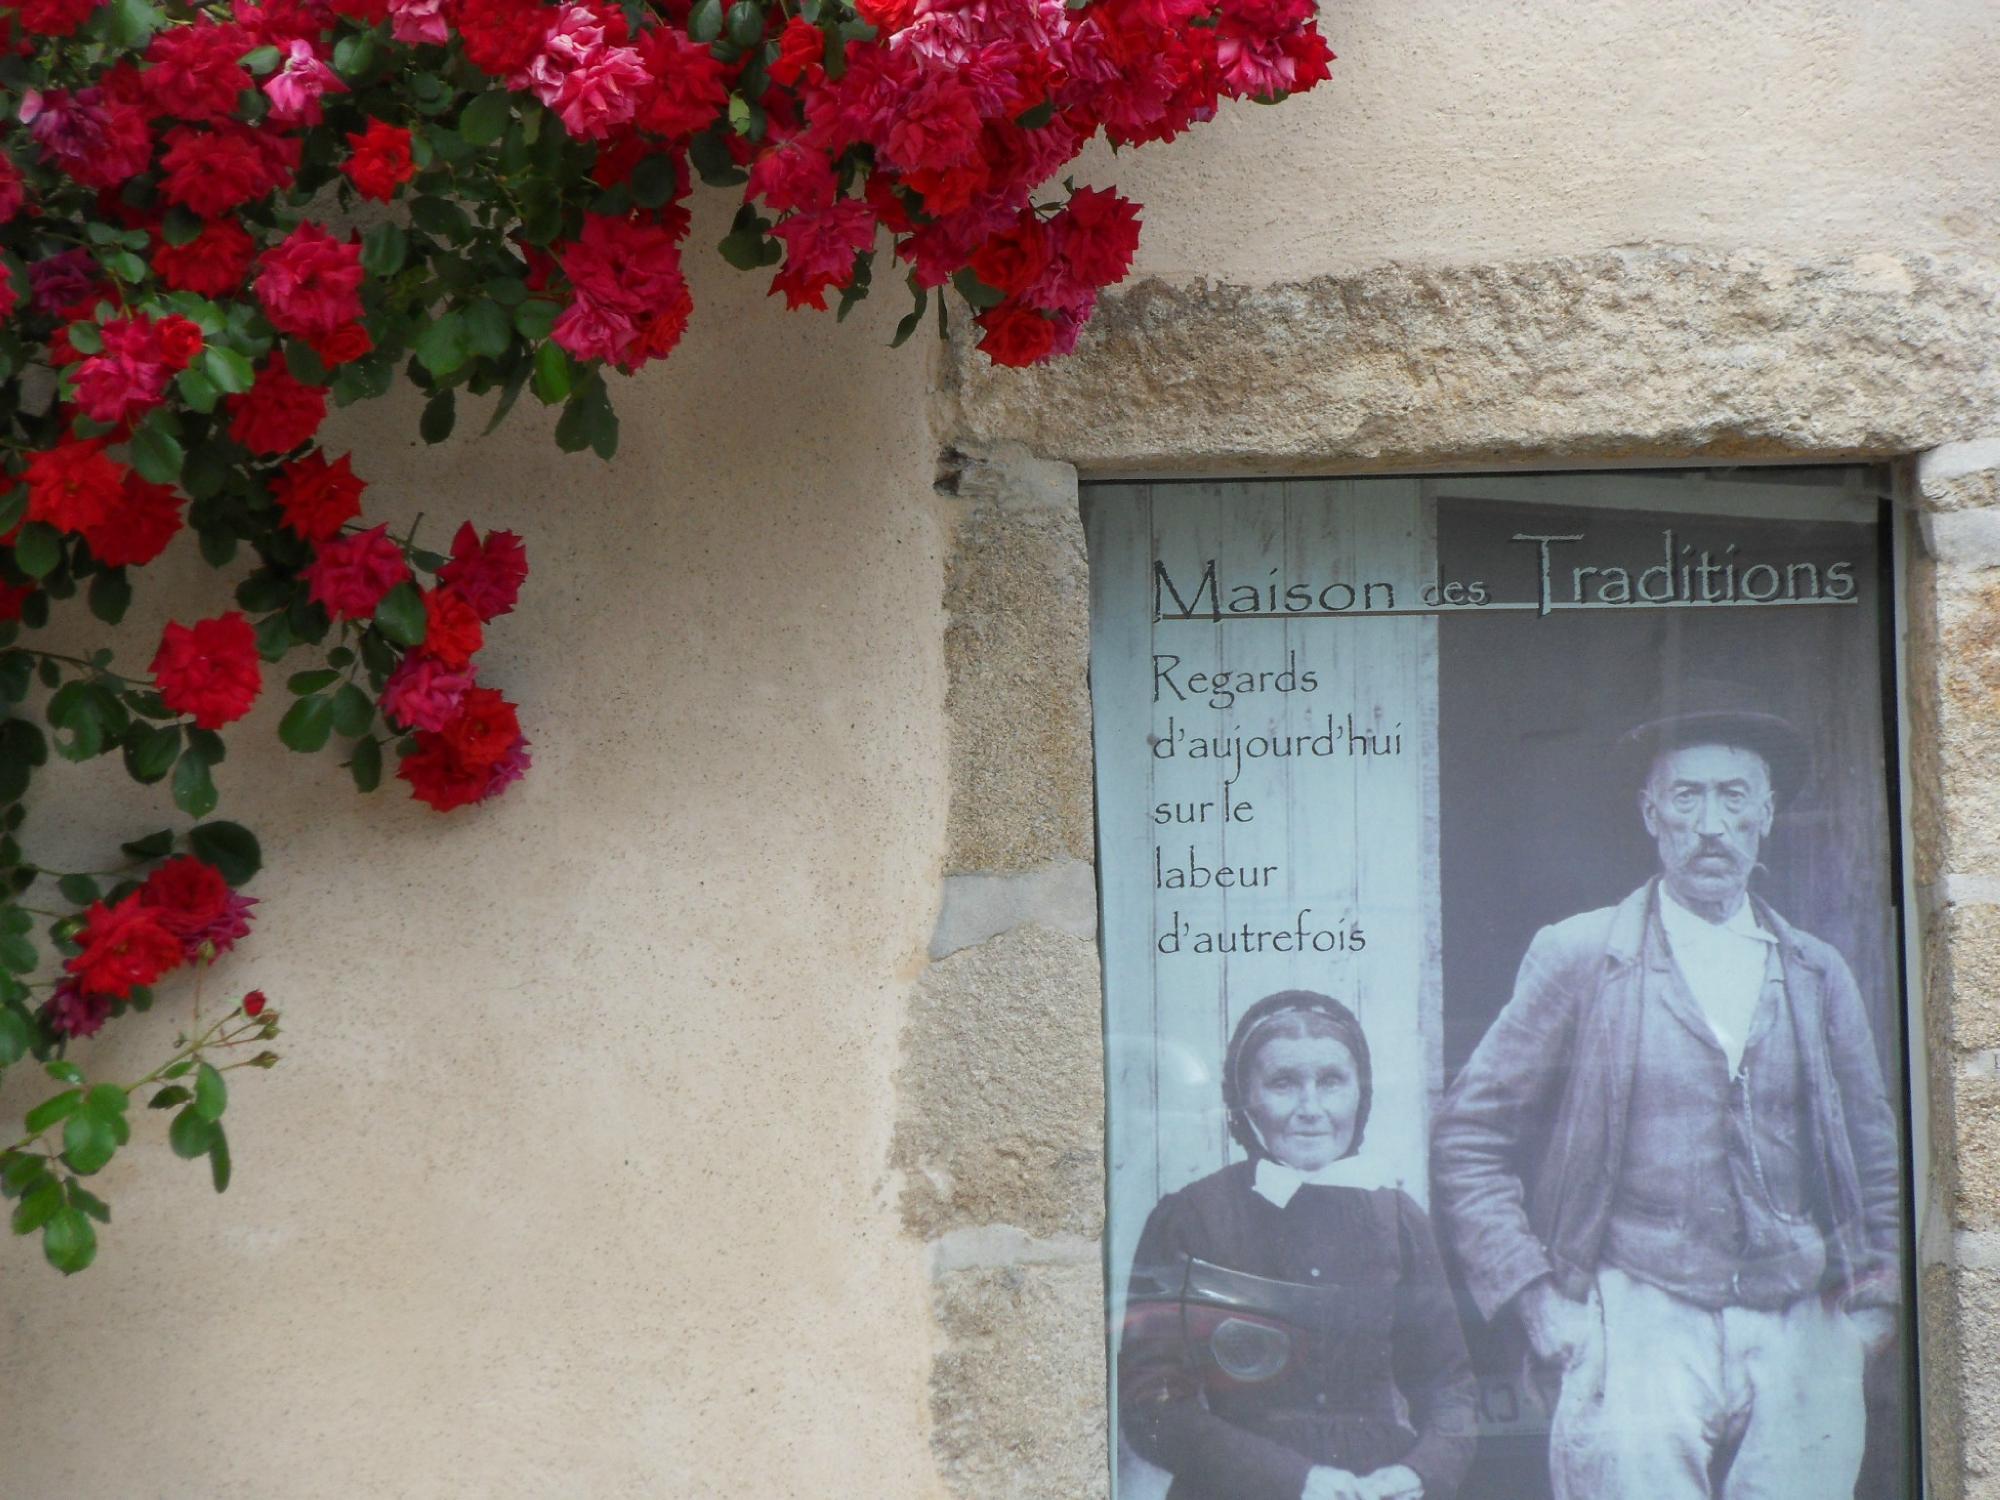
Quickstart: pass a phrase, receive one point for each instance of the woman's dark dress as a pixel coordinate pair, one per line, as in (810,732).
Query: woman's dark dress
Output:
(1383,1380)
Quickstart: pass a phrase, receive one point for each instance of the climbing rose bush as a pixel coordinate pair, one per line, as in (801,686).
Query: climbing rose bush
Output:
(220,221)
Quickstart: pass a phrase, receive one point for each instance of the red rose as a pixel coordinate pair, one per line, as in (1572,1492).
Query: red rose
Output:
(180,341)
(488,573)
(452,632)
(1097,235)
(381,160)
(501,36)
(139,524)
(352,573)
(254,1003)
(484,731)
(209,670)
(438,777)
(213,263)
(801,53)
(277,413)
(215,171)
(196,71)
(186,895)
(348,341)
(317,498)
(73,486)
(1014,261)
(124,946)
(55,17)
(310,283)
(1015,335)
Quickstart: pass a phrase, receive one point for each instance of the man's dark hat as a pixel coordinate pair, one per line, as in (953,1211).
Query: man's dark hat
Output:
(1705,712)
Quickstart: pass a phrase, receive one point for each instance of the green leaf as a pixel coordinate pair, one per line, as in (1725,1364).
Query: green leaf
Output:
(169,1096)
(653,180)
(82,1198)
(745,23)
(208,745)
(353,711)
(440,414)
(274,637)
(38,1207)
(150,753)
(86,337)
(157,453)
(230,847)
(38,549)
(366,765)
(126,266)
(230,371)
(307,723)
(62,1070)
(18,954)
(152,846)
(15,1037)
(304,362)
(534,318)
(190,1135)
(107,1099)
(353,53)
(912,320)
(182,226)
(13,506)
(68,1241)
(128,23)
(53,1110)
(110,595)
(441,346)
(261,60)
(705,20)
(484,120)
(88,1143)
(551,374)
(311,682)
(489,328)
(401,617)
(975,291)
(78,890)
(747,249)
(218,1161)
(194,788)
(74,708)
(383,249)
(22,1171)
(441,217)
(211,1094)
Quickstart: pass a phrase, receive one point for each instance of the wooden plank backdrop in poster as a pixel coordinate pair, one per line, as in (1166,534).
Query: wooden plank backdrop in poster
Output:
(1426,788)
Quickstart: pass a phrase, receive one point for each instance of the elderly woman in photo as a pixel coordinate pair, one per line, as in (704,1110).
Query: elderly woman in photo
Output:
(1289,1334)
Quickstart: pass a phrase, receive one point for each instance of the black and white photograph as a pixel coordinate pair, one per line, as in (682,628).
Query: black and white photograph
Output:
(1504,989)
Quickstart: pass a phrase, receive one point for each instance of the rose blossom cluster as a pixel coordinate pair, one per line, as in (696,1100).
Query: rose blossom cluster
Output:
(933,124)
(184,913)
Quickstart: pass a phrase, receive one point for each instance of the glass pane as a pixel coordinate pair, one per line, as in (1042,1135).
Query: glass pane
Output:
(1503,992)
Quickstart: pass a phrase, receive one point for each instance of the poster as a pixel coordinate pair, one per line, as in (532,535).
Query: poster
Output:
(1504,1020)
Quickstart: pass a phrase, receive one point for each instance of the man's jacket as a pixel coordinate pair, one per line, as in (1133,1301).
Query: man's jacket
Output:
(1527,1149)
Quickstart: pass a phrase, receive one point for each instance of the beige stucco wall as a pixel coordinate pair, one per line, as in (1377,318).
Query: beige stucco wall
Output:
(586,1172)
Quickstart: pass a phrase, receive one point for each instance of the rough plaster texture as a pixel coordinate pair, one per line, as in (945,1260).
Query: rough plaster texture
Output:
(1483,130)
(1624,354)
(1017,1398)
(1002,1091)
(1018,602)
(573,1181)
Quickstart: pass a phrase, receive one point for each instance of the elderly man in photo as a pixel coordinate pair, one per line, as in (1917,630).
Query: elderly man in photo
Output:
(1673,1158)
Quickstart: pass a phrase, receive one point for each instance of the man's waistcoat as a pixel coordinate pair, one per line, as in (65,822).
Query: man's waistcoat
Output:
(1528,1148)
